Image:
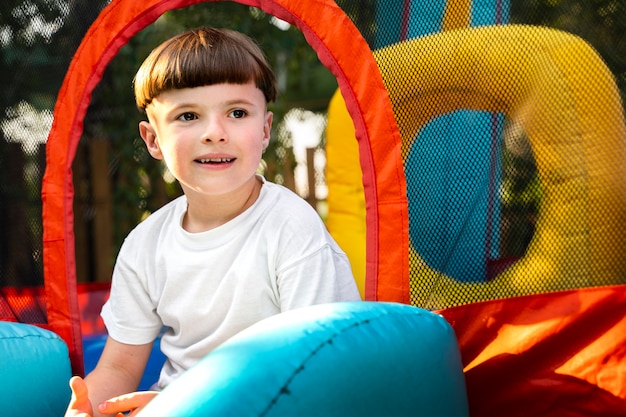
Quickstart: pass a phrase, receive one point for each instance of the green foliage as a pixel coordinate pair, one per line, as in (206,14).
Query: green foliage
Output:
(37,41)
(39,37)
(521,194)
(602,23)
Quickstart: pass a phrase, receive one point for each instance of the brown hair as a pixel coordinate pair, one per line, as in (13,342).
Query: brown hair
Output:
(203,56)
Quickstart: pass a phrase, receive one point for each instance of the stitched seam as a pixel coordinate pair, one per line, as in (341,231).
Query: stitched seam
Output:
(284,390)
(27,336)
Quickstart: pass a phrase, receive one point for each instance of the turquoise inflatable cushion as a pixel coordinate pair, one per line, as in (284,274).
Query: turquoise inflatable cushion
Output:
(342,359)
(35,369)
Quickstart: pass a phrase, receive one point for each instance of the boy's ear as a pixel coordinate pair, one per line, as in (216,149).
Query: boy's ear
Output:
(267,128)
(149,136)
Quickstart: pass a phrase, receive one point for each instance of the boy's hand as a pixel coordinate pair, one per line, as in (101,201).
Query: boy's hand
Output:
(79,405)
(134,402)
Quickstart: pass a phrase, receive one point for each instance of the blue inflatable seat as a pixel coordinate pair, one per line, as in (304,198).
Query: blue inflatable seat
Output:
(93,345)
(342,359)
(35,371)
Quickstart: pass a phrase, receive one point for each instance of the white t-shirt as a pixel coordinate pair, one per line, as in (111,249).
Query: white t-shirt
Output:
(206,287)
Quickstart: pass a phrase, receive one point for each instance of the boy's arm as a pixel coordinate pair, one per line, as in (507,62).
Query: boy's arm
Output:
(324,277)
(118,372)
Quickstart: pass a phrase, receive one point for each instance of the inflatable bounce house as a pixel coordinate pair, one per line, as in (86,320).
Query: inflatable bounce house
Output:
(471,305)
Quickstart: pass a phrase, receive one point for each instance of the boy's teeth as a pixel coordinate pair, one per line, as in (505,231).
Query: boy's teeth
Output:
(215,160)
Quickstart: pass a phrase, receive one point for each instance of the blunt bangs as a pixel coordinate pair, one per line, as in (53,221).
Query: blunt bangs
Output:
(200,57)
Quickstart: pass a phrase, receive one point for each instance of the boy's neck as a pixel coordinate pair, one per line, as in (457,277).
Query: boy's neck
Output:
(204,214)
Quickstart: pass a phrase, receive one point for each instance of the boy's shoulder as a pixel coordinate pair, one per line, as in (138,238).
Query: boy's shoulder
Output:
(162,217)
(283,199)
(285,206)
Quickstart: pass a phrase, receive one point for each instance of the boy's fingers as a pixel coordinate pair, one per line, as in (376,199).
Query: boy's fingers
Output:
(79,389)
(79,402)
(126,402)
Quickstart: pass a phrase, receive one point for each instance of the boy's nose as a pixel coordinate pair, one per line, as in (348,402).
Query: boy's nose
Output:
(215,132)
(214,139)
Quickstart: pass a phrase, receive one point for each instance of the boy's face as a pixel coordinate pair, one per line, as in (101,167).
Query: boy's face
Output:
(210,137)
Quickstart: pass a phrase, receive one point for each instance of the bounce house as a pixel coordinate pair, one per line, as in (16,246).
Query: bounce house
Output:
(432,99)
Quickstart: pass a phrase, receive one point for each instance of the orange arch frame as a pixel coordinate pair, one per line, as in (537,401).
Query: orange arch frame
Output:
(328,30)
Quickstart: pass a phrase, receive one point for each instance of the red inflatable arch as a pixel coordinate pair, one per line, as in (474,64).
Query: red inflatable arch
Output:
(340,48)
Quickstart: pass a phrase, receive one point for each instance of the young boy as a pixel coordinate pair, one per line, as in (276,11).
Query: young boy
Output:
(235,249)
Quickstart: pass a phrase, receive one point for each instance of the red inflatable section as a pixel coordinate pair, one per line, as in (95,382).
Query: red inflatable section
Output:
(556,354)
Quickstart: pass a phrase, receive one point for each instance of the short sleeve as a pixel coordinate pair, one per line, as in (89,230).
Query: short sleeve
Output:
(324,276)
(130,312)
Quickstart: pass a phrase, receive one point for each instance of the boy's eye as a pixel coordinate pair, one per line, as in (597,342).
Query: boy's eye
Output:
(187,116)
(238,114)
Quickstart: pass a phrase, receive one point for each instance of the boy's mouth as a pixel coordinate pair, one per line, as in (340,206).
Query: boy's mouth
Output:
(215,161)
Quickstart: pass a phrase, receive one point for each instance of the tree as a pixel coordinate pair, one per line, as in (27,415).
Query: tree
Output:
(37,40)
(602,23)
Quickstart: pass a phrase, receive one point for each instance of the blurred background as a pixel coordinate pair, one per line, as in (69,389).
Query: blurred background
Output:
(117,184)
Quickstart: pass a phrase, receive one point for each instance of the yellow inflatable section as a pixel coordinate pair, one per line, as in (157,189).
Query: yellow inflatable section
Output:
(558,89)
(346,218)
(346,201)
